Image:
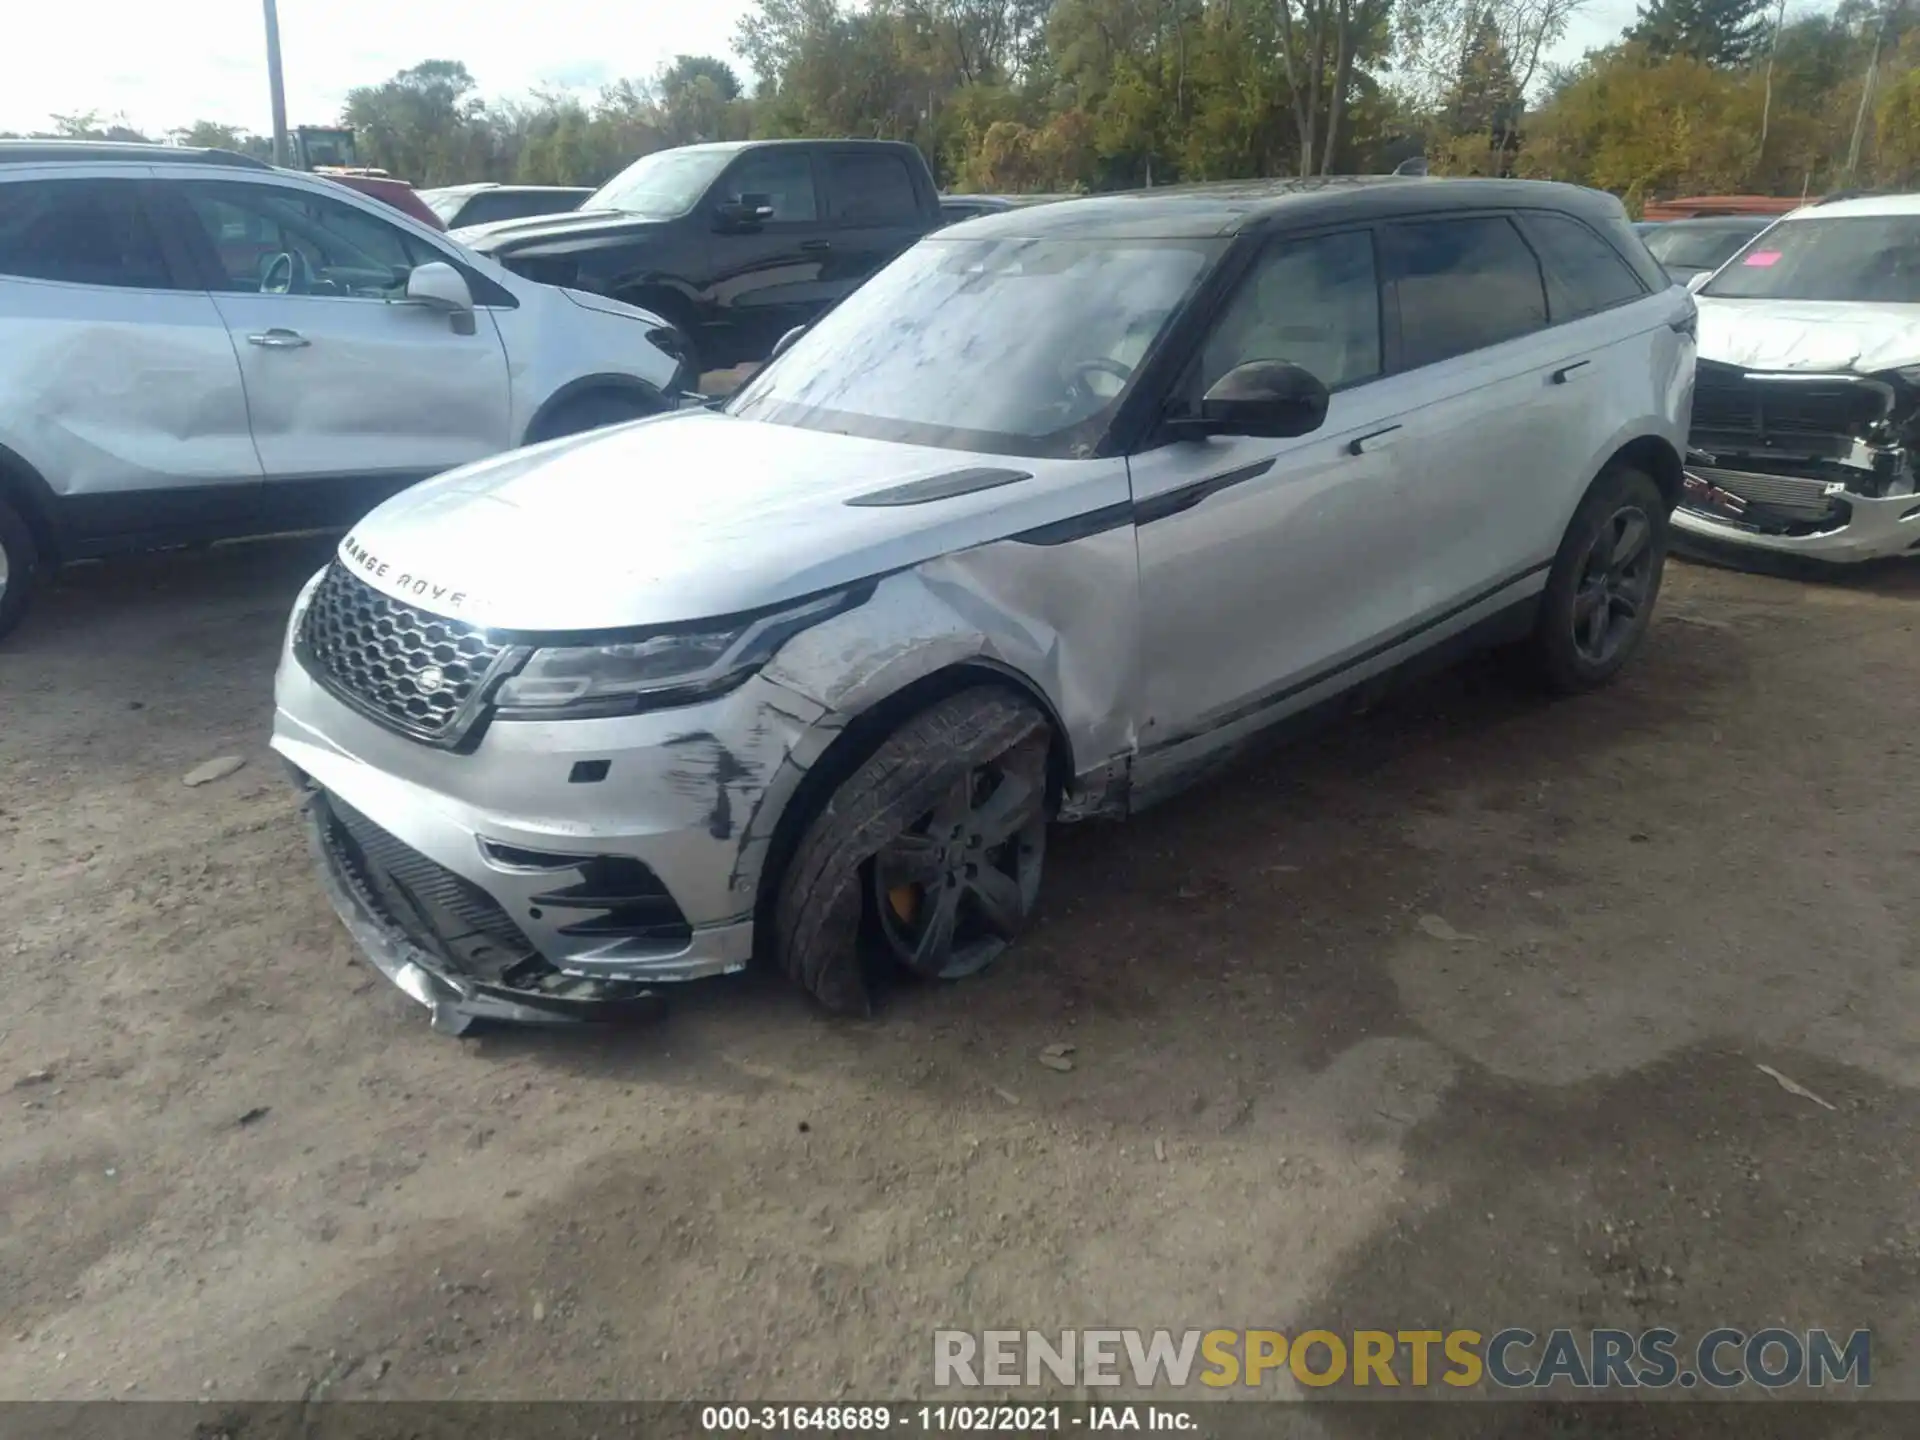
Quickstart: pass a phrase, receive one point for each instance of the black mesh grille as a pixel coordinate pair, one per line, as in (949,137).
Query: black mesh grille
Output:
(444,913)
(414,671)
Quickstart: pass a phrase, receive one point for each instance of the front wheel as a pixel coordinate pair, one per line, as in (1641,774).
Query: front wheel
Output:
(1601,591)
(592,411)
(19,567)
(927,856)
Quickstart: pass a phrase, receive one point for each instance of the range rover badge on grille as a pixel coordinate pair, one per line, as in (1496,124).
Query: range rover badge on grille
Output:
(410,670)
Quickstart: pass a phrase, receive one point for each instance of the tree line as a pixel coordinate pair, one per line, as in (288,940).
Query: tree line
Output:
(1697,96)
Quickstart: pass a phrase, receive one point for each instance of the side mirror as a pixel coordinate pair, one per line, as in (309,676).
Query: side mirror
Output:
(746,212)
(438,286)
(1697,281)
(1271,399)
(785,343)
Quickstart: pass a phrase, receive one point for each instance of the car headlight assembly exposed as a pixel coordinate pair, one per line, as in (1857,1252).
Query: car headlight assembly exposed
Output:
(669,667)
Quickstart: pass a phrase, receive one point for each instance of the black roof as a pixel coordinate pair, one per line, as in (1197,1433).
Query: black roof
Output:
(118,152)
(1230,207)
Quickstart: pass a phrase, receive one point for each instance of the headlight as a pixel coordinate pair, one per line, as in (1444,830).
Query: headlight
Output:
(668,668)
(304,600)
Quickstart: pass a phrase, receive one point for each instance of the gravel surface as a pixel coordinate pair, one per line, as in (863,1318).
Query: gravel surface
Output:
(1455,1016)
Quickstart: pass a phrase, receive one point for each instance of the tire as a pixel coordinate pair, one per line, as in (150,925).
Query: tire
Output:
(1603,585)
(593,411)
(20,567)
(978,876)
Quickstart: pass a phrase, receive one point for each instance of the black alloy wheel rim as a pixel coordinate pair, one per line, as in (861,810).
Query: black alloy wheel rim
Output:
(956,887)
(1615,576)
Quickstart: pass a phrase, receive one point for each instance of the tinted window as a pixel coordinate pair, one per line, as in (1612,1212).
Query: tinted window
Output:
(871,189)
(783,175)
(86,232)
(1868,259)
(1315,302)
(1584,272)
(336,249)
(1463,285)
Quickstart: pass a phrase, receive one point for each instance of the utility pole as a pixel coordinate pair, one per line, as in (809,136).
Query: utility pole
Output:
(274,84)
(1866,89)
(1766,106)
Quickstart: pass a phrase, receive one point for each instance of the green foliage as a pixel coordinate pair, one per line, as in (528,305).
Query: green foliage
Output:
(1057,95)
(1713,32)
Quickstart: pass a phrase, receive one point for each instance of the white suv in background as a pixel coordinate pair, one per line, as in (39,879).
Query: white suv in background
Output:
(197,346)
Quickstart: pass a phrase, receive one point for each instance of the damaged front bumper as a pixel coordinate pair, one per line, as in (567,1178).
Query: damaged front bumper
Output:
(1860,527)
(1816,465)
(563,871)
(455,1000)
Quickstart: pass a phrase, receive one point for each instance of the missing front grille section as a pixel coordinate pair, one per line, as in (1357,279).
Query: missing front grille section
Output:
(445,914)
(415,672)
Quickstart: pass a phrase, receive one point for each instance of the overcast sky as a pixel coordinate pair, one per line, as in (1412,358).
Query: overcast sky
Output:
(166,65)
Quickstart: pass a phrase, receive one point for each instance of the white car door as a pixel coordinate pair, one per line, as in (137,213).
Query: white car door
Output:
(1267,565)
(117,380)
(352,392)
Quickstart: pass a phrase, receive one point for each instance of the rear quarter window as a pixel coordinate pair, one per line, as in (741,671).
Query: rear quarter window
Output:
(1584,273)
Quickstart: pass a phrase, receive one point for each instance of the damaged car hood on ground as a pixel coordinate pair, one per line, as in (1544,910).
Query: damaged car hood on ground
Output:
(696,514)
(1811,336)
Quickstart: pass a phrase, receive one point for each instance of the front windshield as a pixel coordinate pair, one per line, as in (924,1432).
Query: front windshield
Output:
(664,184)
(1873,259)
(1704,247)
(1014,347)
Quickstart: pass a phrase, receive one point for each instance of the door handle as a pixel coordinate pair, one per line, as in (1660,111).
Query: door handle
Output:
(816,246)
(278,339)
(1567,373)
(1378,440)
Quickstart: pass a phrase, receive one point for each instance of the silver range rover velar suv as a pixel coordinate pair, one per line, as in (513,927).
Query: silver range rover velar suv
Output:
(1046,520)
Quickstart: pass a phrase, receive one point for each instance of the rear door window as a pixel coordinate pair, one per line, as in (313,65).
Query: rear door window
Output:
(83,232)
(871,189)
(1462,285)
(1585,274)
(785,176)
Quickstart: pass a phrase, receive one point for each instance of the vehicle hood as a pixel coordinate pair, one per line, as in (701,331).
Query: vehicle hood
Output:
(1810,335)
(687,516)
(563,226)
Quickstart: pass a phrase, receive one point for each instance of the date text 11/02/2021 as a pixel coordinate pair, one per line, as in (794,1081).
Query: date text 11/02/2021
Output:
(991,1419)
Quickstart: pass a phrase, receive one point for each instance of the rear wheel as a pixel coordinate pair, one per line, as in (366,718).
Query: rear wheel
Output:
(927,856)
(1601,591)
(20,566)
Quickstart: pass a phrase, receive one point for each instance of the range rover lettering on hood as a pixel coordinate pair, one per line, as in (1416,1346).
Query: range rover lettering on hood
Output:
(420,587)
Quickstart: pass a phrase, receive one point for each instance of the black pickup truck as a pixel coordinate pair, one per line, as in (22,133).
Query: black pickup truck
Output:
(732,244)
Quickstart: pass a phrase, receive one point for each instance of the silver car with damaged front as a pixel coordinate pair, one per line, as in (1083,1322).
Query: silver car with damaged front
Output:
(1047,520)
(1807,409)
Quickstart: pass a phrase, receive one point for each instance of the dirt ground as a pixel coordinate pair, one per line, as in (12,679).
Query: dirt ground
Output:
(234,1163)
